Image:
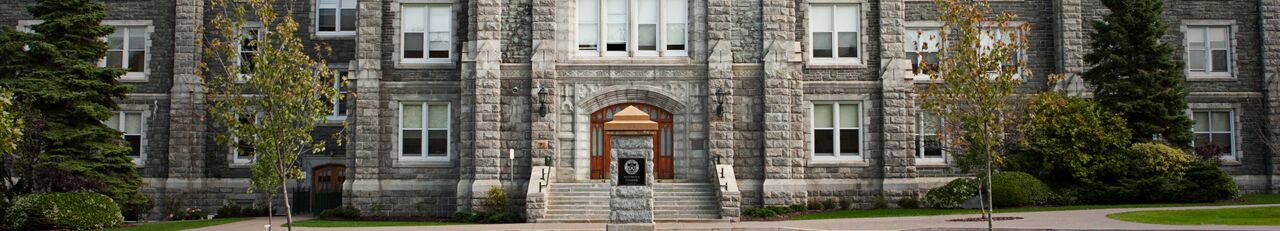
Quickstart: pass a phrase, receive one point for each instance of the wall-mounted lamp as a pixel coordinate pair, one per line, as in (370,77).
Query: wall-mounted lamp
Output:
(542,101)
(720,93)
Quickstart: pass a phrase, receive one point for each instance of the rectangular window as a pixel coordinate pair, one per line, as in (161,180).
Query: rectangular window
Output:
(929,138)
(991,37)
(243,150)
(424,131)
(130,124)
(248,49)
(1214,130)
(1208,49)
(126,48)
(426,33)
(922,47)
(338,107)
(631,27)
(836,130)
(834,31)
(336,16)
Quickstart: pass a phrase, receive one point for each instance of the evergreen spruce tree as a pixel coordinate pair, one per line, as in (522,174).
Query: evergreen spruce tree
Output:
(55,77)
(1135,73)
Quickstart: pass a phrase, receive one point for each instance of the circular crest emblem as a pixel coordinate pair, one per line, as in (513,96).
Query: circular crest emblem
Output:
(632,166)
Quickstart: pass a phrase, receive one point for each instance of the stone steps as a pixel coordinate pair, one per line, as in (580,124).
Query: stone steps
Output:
(673,202)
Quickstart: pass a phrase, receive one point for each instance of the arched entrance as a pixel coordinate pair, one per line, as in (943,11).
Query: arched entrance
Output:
(326,187)
(662,142)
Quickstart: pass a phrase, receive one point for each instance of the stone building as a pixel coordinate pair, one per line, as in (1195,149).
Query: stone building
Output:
(761,102)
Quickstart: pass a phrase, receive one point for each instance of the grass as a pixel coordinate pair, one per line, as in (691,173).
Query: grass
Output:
(1229,216)
(180,225)
(1252,200)
(333,223)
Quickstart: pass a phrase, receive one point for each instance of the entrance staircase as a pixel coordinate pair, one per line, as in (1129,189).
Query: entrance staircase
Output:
(673,202)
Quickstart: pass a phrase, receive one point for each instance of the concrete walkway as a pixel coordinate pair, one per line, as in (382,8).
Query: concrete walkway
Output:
(1053,220)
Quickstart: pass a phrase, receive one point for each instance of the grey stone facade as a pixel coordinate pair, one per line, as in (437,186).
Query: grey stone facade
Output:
(505,52)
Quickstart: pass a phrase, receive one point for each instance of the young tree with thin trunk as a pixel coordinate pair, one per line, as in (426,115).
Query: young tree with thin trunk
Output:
(978,74)
(265,90)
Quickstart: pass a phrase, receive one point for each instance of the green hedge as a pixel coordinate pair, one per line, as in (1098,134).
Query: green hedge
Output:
(74,211)
(1015,189)
(344,212)
(952,195)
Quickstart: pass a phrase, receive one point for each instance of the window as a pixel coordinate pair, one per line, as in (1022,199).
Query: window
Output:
(836,130)
(338,107)
(928,138)
(130,124)
(242,152)
(988,40)
(127,49)
(922,47)
(336,17)
(248,49)
(424,131)
(426,33)
(650,28)
(1208,50)
(833,31)
(1215,130)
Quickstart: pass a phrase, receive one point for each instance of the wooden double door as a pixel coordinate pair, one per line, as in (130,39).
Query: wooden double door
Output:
(663,147)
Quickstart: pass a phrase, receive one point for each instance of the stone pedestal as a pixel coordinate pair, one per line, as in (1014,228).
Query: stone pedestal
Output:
(631,170)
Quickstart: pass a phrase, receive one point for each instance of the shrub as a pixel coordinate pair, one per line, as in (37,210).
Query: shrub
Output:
(1013,189)
(229,210)
(189,214)
(344,212)
(1156,159)
(1206,182)
(909,203)
(486,217)
(830,204)
(846,203)
(951,195)
(759,212)
(1071,141)
(816,206)
(495,200)
(75,211)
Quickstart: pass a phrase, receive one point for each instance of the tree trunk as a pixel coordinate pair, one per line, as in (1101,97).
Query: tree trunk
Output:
(991,203)
(288,211)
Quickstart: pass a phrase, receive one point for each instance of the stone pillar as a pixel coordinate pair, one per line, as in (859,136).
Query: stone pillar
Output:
(365,186)
(1071,46)
(543,64)
(897,104)
(1271,52)
(784,155)
(482,89)
(631,137)
(186,101)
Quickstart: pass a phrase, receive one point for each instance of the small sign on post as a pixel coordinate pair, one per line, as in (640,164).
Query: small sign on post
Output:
(631,171)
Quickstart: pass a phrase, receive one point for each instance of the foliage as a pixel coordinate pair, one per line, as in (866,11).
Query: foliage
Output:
(1157,159)
(801,207)
(486,217)
(495,200)
(830,204)
(270,101)
(1207,182)
(1203,181)
(230,210)
(75,211)
(815,206)
(908,203)
(846,203)
(760,212)
(1071,141)
(1135,74)
(1015,189)
(344,212)
(188,214)
(879,203)
(65,96)
(951,195)
(178,225)
(10,123)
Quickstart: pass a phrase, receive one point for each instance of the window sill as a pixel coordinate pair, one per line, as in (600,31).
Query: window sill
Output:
(838,162)
(1228,161)
(134,77)
(422,163)
(857,64)
(623,60)
(334,119)
(239,165)
(1210,78)
(341,35)
(426,65)
(931,163)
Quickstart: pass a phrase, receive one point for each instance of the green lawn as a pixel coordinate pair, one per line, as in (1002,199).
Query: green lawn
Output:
(331,223)
(1231,216)
(1252,199)
(180,225)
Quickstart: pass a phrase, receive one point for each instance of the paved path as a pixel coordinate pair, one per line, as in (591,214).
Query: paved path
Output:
(1055,220)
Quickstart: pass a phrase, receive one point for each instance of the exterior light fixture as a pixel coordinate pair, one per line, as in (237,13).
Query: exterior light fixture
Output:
(542,101)
(720,93)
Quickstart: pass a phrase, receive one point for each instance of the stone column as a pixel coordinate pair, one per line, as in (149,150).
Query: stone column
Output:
(1071,46)
(897,104)
(720,107)
(783,107)
(186,100)
(631,137)
(545,120)
(365,186)
(482,89)
(1271,52)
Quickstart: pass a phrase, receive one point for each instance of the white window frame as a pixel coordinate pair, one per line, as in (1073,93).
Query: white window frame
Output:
(235,147)
(633,44)
(244,75)
(1020,54)
(142,132)
(835,136)
(914,29)
(919,141)
(426,34)
(149,29)
(400,130)
(1234,153)
(337,21)
(1187,26)
(335,114)
(860,8)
